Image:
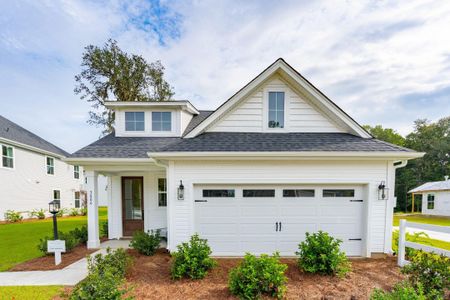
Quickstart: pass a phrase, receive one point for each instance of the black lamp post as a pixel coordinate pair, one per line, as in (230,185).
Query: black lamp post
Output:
(53,208)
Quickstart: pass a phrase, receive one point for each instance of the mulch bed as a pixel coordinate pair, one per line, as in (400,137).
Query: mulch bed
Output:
(46,263)
(150,279)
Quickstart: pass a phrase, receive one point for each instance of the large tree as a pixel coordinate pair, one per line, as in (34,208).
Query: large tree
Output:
(108,73)
(386,134)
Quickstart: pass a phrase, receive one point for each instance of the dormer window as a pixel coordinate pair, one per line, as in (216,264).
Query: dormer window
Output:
(134,121)
(276,110)
(161,121)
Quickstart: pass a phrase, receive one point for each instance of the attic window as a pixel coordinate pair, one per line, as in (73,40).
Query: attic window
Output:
(161,121)
(276,110)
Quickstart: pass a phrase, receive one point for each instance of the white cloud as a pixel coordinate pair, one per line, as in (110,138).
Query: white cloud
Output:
(364,56)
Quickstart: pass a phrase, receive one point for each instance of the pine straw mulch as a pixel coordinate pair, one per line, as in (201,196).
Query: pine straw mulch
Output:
(150,279)
(47,262)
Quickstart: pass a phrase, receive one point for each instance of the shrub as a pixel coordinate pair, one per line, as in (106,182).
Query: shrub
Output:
(63,211)
(74,212)
(401,291)
(105,278)
(71,241)
(81,233)
(38,213)
(255,277)
(146,243)
(104,229)
(191,260)
(430,271)
(13,216)
(417,237)
(320,253)
(83,211)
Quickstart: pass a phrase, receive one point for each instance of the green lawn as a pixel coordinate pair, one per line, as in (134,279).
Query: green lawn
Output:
(19,240)
(419,218)
(29,292)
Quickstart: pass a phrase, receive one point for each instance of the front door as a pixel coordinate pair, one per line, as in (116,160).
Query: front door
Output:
(132,205)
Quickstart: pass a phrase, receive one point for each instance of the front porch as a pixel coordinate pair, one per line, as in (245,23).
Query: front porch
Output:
(137,200)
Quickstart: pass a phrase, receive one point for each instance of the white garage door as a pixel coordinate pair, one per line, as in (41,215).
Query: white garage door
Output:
(264,219)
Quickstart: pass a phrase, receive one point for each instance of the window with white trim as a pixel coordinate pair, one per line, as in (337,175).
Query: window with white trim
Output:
(57,196)
(430,201)
(134,121)
(7,156)
(77,197)
(76,172)
(162,192)
(276,110)
(161,121)
(50,165)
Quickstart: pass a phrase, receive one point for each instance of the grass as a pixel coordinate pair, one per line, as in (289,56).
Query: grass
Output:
(419,218)
(29,292)
(19,240)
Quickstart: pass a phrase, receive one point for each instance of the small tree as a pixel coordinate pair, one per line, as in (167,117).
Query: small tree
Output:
(109,73)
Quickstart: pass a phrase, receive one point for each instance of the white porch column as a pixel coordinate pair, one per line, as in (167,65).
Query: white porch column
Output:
(92,207)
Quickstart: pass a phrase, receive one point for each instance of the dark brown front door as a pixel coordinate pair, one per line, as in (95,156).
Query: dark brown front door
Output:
(132,204)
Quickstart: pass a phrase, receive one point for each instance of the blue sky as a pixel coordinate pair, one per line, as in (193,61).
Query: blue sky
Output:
(383,62)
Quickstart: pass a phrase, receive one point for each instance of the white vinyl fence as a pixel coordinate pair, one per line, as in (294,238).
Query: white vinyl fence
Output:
(402,242)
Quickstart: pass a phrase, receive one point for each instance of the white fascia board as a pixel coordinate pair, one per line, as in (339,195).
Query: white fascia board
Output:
(322,155)
(107,161)
(185,104)
(31,148)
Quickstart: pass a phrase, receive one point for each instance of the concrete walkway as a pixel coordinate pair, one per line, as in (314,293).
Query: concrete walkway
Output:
(69,275)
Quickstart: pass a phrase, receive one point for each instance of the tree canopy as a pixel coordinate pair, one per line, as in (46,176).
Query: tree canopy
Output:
(108,73)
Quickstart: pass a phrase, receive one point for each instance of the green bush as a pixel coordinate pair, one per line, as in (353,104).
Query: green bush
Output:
(13,216)
(146,243)
(104,229)
(255,277)
(81,233)
(74,212)
(105,279)
(38,213)
(430,271)
(62,211)
(401,291)
(83,211)
(191,260)
(417,237)
(71,241)
(320,253)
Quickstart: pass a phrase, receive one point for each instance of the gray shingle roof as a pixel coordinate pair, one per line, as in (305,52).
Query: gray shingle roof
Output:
(137,147)
(197,120)
(432,186)
(11,131)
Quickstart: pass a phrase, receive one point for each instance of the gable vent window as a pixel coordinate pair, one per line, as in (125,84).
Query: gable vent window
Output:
(7,157)
(161,121)
(298,193)
(134,121)
(430,201)
(258,193)
(339,193)
(218,193)
(276,110)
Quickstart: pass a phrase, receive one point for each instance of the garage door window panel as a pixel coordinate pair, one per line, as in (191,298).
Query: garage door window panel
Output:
(258,193)
(218,193)
(298,193)
(338,193)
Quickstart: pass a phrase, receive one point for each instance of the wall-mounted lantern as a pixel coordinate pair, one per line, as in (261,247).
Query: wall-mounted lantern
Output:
(181,191)
(383,191)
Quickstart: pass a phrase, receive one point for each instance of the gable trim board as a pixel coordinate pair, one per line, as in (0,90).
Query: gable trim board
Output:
(325,104)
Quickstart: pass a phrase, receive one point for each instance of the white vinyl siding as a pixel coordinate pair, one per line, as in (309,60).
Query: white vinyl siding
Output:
(249,114)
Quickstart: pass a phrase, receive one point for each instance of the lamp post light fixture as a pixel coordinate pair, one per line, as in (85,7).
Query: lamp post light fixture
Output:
(53,208)
(181,191)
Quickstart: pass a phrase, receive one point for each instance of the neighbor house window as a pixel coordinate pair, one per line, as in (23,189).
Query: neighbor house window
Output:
(57,196)
(276,110)
(298,193)
(134,121)
(258,193)
(76,172)
(218,193)
(339,193)
(50,165)
(7,156)
(77,199)
(161,121)
(162,192)
(430,201)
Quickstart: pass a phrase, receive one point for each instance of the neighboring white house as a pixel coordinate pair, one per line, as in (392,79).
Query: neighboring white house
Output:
(435,197)
(276,160)
(32,172)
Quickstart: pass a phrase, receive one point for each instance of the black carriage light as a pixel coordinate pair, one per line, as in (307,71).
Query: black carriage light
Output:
(181,191)
(382,191)
(53,208)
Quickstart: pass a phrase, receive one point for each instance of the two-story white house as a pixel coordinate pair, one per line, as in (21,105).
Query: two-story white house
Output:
(32,172)
(276,160)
